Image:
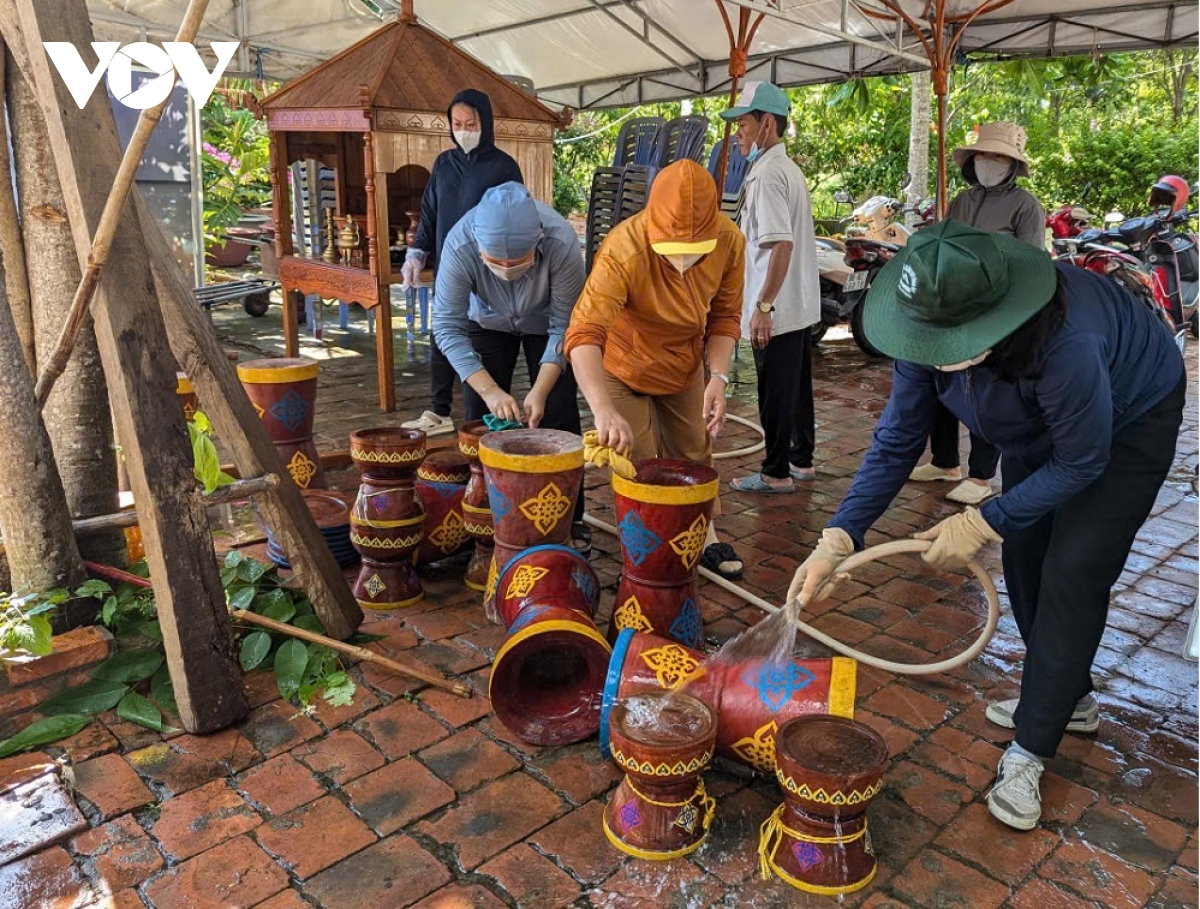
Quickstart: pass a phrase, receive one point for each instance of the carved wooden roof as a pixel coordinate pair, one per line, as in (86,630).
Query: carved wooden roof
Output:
(404,66)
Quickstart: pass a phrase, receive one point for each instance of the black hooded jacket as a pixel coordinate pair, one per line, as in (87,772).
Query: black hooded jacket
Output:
(459,179)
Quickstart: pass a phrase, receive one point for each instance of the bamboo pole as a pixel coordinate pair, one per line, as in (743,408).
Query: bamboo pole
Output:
(238,489)
(109,218)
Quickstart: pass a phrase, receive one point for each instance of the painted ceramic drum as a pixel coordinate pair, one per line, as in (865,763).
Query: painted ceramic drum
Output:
(533,478)
(284,394)
(441,484)
(830,768)
(751,700)
(662,519)
(187,395)
(548,575)
(663,741)
(387,520)
(477,512)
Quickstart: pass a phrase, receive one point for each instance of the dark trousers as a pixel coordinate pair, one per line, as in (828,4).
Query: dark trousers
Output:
(785,402)
(943,443)
(499,351)
(441,382)
(1060,571)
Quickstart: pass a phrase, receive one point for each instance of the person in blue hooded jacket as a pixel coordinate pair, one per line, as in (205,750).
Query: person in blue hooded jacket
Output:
(1082,388)
(458,181)
(511,272)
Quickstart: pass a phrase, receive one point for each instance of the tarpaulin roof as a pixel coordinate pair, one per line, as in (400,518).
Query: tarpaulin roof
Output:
(606,53)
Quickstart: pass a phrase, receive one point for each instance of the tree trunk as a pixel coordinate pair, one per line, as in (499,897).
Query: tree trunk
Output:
(77,415)
(918,139)
(38,540)
(12,247)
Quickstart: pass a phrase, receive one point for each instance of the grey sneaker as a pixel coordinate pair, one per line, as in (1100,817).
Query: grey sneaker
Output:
(1016,797)
(1086,717)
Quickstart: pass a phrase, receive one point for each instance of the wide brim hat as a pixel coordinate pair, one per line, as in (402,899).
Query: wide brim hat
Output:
(954,292)
(1000,138)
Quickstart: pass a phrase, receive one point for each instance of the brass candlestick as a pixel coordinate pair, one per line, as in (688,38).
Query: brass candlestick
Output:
(330,254)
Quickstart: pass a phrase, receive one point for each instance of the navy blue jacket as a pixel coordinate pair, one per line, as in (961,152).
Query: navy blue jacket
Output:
(1108,364)
(459,180)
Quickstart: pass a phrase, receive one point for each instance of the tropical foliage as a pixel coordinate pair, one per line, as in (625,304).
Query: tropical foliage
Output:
(235,160)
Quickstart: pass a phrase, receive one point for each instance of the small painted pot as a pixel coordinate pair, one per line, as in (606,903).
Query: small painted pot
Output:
(284,394)
(548,575)
(663,741)
(477,512)
(441,484)
(187,395)
(830,768)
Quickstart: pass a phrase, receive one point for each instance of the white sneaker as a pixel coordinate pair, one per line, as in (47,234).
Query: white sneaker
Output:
(431,424)
(927,473)
(1016,796)
(968,492)
(1085,717)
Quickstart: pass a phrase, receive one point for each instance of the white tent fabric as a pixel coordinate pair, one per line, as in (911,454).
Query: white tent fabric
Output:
(606,53)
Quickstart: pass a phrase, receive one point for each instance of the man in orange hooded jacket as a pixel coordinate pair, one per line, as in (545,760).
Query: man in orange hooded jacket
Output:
(665,291)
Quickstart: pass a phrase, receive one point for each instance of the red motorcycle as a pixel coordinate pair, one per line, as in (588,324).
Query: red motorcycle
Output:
(1068,221)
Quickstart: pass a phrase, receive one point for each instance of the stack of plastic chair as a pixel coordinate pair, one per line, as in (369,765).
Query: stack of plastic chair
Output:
(603,205)
(635,188)
(735,177)
(637,140)
(680,139)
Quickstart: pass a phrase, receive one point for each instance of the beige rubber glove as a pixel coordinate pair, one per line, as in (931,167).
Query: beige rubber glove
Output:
(957,539)
(410,271)
(834,547)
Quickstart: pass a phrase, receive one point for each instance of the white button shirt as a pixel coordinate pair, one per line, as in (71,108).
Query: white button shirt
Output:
(777,208)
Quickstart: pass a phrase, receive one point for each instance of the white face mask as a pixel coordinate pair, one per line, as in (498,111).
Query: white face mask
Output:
(509,272)
(965,364)
(991,173)
(468,140)
(681,262)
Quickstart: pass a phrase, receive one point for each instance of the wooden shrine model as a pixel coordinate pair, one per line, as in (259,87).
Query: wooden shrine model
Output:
(376,114)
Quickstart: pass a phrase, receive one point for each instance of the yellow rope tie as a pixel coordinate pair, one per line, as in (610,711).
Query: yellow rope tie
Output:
(774,828)
(601,455)
(707,804)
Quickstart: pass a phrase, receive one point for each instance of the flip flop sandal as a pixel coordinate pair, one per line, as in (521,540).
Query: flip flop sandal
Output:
(581,538)
(716,555)
(755,483)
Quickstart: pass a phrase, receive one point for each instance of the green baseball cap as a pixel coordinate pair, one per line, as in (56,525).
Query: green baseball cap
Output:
(759,96)
(953,292)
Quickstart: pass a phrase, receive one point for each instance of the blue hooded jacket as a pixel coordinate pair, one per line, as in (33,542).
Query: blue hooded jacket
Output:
(1111,360)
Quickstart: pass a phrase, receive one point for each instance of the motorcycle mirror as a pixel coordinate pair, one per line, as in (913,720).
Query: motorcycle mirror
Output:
(906,182)
(842,197)
(1114,217)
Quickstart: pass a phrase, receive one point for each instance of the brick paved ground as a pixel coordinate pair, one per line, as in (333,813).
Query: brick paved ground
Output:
(414,798)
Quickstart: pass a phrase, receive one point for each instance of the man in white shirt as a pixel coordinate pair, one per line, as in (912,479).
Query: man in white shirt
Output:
(782,298)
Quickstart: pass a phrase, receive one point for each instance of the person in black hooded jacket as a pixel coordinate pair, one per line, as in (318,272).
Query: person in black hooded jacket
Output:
(460,177)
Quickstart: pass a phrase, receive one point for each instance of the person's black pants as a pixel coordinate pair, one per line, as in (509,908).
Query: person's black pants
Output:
(499,351)
(785,402)
(1060,571)
(943,443)
(441,382)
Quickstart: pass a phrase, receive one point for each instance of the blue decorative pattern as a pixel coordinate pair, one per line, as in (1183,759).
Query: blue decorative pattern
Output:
(525,616)
(807,854)
(445,490)
(499,503)
(776,686)
(629,815)
(291,410)
(586,583)
(687,628)
(637,540)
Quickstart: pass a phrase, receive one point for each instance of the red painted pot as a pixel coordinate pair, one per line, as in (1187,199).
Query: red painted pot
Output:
(533,478)
(477,513)
(830,768)
(662,519)
(387,521)
(663,742)
(441,484)
(284,393)
(751,700)
(550,576)
(547,676)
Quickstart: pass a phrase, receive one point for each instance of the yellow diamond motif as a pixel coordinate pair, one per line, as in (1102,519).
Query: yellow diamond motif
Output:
(630,615)
(758,750)
(450,534)
(687,545)
(546,509)
(258,410)
(491,581)
(671,664)
(375,585)
(302,469)
(524,579)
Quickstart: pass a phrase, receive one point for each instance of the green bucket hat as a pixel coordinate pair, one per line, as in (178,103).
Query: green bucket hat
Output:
(759,96)
(953,292)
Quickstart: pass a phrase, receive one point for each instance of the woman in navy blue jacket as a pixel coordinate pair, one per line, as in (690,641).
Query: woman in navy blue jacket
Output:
(1081,387)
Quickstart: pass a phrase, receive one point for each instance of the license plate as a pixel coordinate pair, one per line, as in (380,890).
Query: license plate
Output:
(856,281)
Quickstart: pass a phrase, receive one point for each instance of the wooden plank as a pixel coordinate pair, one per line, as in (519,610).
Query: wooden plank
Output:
(141,384)
(283,236)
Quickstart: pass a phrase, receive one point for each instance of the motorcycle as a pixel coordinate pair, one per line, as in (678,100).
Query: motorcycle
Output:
(1068,221)
(833,272)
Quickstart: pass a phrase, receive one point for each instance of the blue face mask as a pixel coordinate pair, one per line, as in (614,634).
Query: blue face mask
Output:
(755,151)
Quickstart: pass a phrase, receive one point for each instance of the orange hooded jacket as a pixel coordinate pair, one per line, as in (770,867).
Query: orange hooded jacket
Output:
(652,322)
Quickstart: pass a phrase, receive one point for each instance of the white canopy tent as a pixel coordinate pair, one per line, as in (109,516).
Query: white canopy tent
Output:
(606,53)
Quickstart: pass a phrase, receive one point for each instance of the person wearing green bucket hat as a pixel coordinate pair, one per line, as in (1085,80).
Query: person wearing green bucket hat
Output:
(1082,388)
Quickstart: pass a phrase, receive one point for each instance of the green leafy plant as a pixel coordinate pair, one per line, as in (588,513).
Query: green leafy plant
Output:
(25,622)
(206,461)
(235,166)
(127,608)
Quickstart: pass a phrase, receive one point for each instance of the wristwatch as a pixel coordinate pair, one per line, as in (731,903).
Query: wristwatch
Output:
(765,307)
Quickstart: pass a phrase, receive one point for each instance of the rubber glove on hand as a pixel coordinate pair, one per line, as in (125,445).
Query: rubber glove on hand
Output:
(957,539)
(410,271)
(834,547)
(601,455)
